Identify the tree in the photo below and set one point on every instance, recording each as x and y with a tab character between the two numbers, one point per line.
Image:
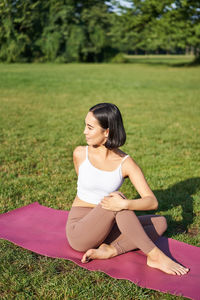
66	30
150	25
95	30
21	23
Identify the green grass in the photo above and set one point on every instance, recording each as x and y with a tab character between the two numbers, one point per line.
43	107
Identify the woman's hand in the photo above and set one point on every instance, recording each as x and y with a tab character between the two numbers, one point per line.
115	201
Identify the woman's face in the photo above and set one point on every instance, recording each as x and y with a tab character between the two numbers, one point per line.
95	135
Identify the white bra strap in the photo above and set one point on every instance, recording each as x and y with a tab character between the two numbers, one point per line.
124	158
87	152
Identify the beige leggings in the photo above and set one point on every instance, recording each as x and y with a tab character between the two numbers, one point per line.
89	227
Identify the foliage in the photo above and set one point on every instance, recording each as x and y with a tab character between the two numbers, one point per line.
154	25
95	31
119	58
45	30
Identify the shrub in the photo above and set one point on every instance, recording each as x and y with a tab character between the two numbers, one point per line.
119	58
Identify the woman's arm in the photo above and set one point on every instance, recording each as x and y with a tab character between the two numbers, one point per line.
78	157
148	200
147	203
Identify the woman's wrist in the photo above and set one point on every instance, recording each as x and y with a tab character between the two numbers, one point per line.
145	203
128	204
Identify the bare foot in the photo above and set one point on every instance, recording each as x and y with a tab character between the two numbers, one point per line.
104	251
157	259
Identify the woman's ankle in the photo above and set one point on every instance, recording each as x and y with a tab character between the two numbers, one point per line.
154	253
114	250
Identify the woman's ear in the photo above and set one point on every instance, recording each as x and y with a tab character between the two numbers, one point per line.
107	132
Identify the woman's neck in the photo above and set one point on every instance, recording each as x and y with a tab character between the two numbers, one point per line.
102	151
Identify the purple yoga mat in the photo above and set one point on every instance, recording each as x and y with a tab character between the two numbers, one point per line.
42	230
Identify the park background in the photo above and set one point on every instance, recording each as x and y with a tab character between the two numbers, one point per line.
58	58
96	30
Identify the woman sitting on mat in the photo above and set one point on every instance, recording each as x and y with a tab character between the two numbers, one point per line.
102	222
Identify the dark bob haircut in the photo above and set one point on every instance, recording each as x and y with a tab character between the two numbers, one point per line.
109	116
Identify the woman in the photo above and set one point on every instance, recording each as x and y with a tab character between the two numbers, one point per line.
102	222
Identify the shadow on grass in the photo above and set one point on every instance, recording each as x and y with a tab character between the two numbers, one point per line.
179	196
165	62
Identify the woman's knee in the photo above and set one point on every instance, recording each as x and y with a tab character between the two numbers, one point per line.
81	242
125	212
79	248
76	244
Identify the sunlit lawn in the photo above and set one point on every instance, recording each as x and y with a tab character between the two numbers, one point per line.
42	111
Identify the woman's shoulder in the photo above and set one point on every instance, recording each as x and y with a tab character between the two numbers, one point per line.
128	164
121	153
129	158
79	151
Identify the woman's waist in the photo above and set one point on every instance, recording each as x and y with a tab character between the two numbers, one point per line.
80	202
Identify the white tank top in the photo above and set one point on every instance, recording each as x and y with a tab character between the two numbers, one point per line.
94	184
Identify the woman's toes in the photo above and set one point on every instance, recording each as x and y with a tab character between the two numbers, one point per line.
86	257
184	271
180	270
83	260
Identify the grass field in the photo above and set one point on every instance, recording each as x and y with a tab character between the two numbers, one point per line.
42	111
